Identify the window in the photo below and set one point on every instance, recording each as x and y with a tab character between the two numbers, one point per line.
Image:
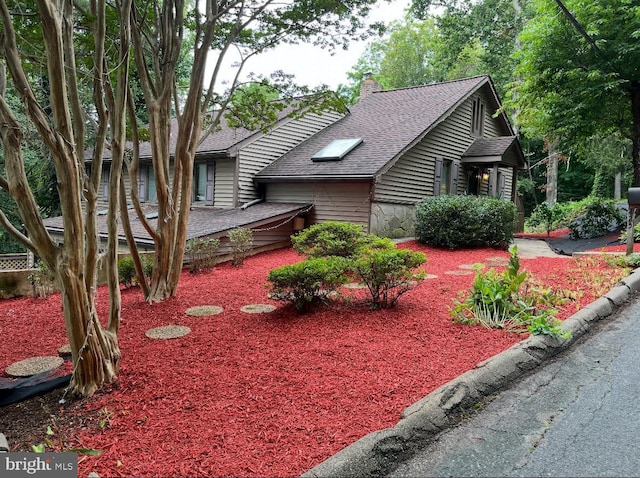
446	177
336	150
477	117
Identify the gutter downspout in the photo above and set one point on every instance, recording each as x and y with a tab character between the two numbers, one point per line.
251	203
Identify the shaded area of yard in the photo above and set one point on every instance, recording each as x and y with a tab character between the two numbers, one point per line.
264	394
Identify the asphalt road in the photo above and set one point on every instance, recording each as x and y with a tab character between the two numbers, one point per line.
576	416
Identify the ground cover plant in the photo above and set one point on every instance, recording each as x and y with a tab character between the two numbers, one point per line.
263	394
510	300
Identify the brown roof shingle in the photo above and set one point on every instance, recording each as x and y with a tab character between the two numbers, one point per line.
203	221
389	122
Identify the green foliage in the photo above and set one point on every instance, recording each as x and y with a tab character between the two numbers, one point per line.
241	242
127	270
590	217
594	217
506	301
42	280
477	37
388	274
631	260
309	282
333	238
564	77
456	221
548	217
202	252
636	234
544	325
339	251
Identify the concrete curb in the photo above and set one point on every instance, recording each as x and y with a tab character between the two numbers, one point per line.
379	452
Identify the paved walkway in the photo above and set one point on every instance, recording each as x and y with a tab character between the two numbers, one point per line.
530	248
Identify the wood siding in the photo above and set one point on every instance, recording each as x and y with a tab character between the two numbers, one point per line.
274	144
413	176
332	201
224	180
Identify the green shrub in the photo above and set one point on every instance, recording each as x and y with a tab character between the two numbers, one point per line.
388	274
333	238
147	265
241	242
126	271
506	301
594	217
202	252
455	221
547	217
308	282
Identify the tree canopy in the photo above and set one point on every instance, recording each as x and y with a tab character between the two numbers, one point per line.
578	72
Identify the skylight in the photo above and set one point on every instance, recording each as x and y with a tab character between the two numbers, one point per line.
336	150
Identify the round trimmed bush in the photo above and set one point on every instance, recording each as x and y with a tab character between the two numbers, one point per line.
455	222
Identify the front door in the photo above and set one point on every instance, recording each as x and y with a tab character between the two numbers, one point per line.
473	181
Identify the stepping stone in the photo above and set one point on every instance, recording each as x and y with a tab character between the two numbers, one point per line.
258	308
167	332
497	261
459	273
204	310
471	267
355	285
65	351
33	365
430	276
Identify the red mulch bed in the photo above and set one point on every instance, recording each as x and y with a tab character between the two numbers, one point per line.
269	394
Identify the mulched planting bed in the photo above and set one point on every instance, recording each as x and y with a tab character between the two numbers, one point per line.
267	394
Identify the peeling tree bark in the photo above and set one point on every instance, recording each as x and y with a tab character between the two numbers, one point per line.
94	350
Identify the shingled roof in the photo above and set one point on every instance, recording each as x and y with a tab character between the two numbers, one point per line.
203	221
223	142
505	149
389	123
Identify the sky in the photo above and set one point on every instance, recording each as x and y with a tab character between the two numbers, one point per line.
313	66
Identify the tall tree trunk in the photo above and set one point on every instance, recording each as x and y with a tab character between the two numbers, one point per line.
552	179
95	351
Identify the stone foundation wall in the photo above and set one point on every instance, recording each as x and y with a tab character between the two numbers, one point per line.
392	220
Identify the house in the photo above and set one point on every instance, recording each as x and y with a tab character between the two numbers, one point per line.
223	186
370	165
396	147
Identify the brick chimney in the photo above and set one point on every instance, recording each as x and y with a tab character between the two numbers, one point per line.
368	85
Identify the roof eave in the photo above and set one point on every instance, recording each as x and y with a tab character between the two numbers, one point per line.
315	178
